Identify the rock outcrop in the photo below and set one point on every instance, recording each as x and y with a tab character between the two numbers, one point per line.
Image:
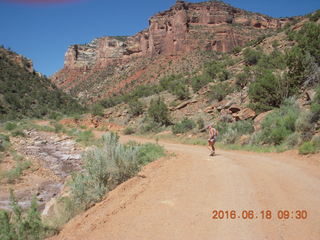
186	27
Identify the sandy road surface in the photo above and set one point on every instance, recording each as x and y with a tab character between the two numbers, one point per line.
174	199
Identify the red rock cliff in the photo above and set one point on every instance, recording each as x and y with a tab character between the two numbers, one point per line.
184	28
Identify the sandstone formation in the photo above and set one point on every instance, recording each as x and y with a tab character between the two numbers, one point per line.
184	28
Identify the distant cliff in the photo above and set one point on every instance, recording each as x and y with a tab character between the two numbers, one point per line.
184	28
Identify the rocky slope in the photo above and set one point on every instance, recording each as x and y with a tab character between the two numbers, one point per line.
108	65
18	59
52	159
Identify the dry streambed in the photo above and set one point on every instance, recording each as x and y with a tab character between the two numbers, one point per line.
53	159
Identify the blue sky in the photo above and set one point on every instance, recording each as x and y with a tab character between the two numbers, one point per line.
43	32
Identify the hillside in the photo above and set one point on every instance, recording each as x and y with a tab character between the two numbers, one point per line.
275	74
178	40
25	93
245	93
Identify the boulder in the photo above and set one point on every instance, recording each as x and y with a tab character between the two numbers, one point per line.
258	120
225	112
209	109
183	105
235	108
244	114
224	104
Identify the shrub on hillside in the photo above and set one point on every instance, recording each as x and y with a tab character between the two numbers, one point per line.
97	110
15	173
18	133
108	166
136	93
176	85
200	123
102	170
167	82
293	140
275	60
58	127
19	225
315	16
85	137
150	127
308	40
243	78
229	133
237	49
9	126
219	91
266	92
316	141
55	115
251	57
303	59
307	148
298	63
181	91
307	122
279	124
184	126
213	69
159	112
304	126
223	75
136	107
111	101
199	82
315	107
128	131
142	91
4	142
149	152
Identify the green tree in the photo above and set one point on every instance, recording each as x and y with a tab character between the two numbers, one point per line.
159	112
219	91
176	85
303	60
181	91
198	82
267	92
251	57
308	40
243	78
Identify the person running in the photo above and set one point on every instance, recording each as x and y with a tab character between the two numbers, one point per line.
213	133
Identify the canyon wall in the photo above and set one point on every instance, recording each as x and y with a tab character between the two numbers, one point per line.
185	27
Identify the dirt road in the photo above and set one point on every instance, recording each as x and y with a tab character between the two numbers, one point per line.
174	198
